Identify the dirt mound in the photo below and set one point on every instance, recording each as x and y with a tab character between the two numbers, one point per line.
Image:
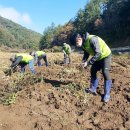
54	99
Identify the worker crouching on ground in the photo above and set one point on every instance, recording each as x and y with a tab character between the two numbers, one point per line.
38	56
101	60
22	60
67	52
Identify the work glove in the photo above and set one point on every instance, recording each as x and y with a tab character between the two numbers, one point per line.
85	64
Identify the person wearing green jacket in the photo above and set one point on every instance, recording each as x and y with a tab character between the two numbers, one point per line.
101	60
22	60
38	56
67	52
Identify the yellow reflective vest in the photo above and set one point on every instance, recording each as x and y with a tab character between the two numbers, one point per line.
67	49
40	53
26	57
105	50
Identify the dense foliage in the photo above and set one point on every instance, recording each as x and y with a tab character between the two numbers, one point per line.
14	35
56	35
109	19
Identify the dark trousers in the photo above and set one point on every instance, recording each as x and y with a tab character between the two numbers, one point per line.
104	65
44	57
65	58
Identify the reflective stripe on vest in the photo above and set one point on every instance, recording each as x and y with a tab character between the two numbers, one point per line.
105	50
26	57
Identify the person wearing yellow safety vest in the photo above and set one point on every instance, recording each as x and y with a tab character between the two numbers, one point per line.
67	52
101	60
22	60
38	55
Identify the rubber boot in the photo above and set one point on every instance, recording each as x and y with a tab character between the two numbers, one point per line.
107	88
93	86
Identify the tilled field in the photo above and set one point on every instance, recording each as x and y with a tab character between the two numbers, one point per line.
54	98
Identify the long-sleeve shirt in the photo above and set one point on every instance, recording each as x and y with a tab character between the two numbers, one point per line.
67	49
94	43
17	61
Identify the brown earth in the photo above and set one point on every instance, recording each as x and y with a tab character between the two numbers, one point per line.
54	98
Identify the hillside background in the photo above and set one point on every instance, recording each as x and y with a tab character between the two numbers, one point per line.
106	18
14	35
109	19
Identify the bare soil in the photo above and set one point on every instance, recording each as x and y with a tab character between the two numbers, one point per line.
55	99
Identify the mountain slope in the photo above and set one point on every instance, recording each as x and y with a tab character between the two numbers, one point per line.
14	35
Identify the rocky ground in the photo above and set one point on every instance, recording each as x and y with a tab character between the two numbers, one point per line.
54	98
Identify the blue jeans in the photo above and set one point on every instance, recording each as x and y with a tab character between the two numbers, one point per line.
31	66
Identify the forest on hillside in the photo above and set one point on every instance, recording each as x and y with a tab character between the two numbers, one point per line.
14	35
109	19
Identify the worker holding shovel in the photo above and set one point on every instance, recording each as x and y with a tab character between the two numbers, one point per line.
101	60
67	52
